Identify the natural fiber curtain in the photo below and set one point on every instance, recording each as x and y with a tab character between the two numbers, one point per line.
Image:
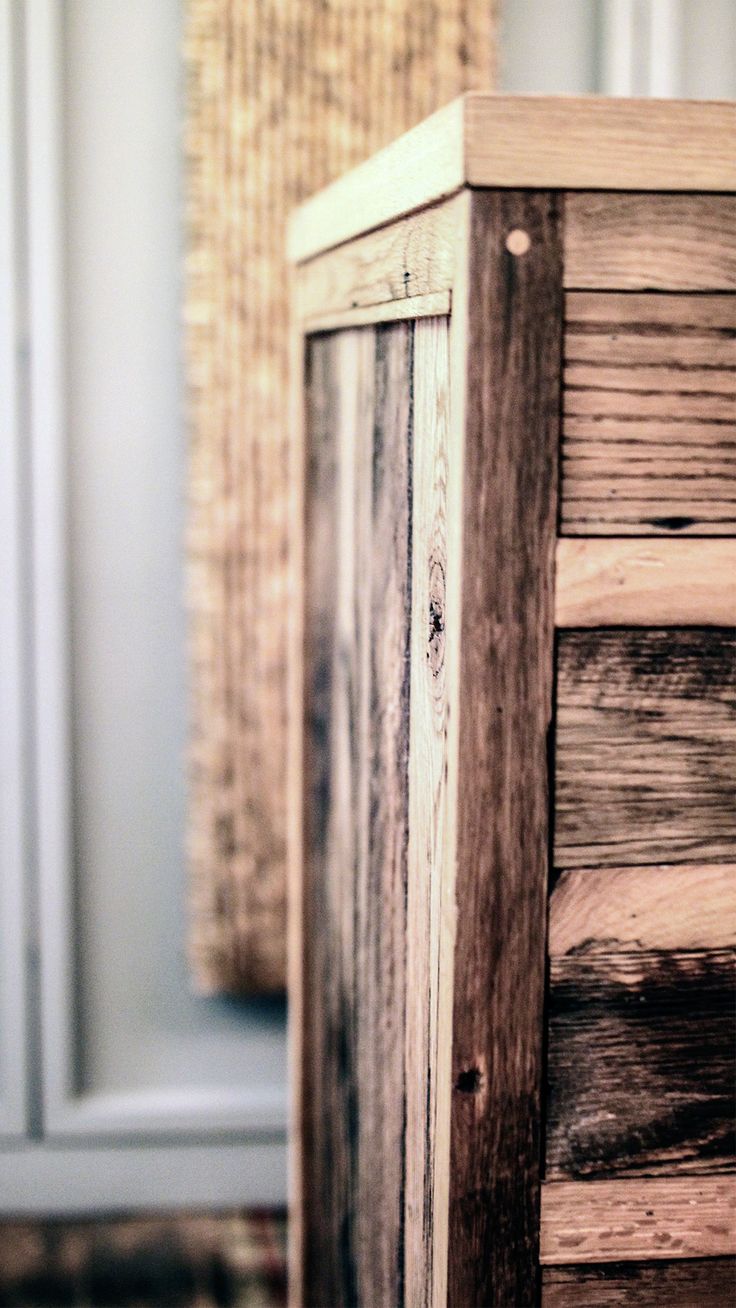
283	95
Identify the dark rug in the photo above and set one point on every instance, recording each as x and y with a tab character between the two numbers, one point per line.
233	1260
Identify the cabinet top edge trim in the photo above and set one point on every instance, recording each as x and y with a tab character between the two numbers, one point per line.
544	142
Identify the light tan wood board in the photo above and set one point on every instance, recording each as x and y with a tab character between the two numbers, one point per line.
410	258
663	242
644	908
638	582
623	1221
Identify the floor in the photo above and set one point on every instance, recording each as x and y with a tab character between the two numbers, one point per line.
233	1260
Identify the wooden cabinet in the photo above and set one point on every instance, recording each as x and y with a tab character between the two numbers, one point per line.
514	713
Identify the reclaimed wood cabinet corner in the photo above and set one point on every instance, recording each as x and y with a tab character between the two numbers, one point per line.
513	816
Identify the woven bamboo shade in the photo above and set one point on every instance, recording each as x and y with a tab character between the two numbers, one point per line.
283	95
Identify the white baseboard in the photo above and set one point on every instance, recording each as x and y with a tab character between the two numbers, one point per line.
43	1179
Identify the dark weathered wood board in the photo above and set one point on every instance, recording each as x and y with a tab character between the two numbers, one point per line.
327	1109
637	241
649	415
688	1283
641	1071
645	747
355	812
642	1062
509	512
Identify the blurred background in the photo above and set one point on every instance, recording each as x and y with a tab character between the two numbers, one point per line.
121	1090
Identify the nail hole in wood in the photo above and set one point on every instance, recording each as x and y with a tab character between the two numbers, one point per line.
468	1082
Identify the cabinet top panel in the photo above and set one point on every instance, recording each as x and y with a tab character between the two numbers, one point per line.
571	143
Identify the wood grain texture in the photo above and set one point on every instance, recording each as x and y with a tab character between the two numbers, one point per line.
616	144
335	668
642	582
638	1221
374	805
650	242
641	1063
688	907
641	1010
282	97
406	310
645	747
685	1283
381	892
649	415
509	510
412	257
425	1060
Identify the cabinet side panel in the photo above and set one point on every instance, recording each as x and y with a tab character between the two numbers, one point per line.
506	659
359	423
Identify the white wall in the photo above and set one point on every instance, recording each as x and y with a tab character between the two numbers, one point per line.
127	443
118	1054
619	47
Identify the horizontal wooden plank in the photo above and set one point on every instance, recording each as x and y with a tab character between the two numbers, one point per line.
649	414
633	242
630	908
645	768
419	306
525	141
588	141
412	257
630	581
642	1021
641	1062
638	1220
682	1283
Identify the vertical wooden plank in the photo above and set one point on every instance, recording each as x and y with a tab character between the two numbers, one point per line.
339	423
427	796
509	516
381	893
319	998
358	571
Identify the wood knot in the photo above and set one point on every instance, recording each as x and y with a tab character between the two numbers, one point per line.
436	638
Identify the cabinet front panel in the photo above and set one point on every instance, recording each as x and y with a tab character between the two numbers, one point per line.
641	998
